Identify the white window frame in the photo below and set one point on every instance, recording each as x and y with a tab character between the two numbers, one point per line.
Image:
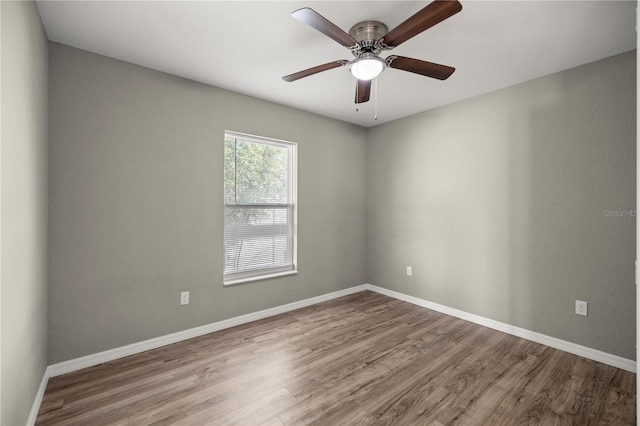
264	273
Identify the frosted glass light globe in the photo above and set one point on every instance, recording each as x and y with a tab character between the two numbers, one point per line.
367	67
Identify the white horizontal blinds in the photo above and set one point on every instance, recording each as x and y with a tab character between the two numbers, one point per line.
258	227
257	238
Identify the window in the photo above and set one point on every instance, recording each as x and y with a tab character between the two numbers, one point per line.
259	208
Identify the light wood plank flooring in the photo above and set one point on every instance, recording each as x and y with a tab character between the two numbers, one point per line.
364	359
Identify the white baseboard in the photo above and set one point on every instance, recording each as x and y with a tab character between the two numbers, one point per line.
134	348
563	345
113	354
35	407
123	351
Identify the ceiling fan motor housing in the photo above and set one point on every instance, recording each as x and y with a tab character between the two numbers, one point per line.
367	33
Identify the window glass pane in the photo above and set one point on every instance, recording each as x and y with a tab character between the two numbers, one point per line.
257	173
257	238
229	170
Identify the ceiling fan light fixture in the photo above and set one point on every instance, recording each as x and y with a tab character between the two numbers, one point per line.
367	67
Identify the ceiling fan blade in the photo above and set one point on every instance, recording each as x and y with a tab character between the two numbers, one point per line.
319	68
425	18
326	27
363	91
429	69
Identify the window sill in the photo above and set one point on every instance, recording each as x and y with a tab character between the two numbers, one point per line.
259	278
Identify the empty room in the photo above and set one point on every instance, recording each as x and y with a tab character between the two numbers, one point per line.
323	212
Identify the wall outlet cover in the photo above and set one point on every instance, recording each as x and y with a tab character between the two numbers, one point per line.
581	308
184	298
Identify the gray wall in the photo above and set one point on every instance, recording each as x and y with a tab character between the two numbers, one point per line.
500	205
24	208
136	203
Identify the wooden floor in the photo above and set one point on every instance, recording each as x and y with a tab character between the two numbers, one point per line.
362	359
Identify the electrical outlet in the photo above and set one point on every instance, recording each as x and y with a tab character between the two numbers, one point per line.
581	308
409	271
184	298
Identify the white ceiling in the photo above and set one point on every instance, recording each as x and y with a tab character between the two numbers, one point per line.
248	46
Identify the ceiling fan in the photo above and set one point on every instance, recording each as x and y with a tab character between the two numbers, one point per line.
368	39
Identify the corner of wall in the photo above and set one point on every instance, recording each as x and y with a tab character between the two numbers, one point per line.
23	209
